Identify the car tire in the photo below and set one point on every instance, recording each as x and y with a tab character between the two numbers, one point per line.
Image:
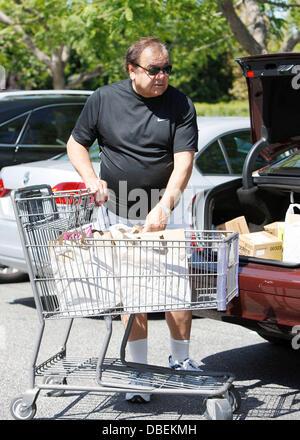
11	275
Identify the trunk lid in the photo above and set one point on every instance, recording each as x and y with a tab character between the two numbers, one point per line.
273	82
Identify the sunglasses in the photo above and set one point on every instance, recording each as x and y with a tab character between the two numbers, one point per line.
154	70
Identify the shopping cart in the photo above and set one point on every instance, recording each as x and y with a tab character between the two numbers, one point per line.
76	275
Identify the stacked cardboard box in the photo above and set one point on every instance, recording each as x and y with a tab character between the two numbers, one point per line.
237	224
275	228
262	244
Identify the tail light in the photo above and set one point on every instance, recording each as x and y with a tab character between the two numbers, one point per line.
71	188
3	191
68	186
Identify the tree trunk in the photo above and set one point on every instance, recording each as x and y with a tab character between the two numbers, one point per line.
58	76
256	23
289	45
238	28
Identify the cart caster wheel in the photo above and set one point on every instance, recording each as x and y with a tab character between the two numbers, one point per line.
234	398
57	380
20	411
218	409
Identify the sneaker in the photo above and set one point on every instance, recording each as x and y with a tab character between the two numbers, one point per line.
186	364
137	397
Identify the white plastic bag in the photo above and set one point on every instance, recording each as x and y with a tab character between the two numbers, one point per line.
153	269
291	238
84	275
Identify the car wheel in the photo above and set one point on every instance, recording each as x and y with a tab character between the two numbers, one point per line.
11	274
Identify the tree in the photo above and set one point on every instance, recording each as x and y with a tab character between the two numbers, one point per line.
81	42
254	22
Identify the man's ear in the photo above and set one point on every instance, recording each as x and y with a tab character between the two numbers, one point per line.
131	70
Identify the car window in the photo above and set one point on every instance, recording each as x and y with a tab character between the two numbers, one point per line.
211	160
94	154
10	131
237	146
51	125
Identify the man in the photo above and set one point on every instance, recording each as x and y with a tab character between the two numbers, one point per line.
148	136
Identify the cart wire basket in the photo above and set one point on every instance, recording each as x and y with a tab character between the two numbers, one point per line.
76	272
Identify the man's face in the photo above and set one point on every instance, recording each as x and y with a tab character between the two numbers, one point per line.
145	84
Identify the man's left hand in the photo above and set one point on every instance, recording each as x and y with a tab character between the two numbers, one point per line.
156	220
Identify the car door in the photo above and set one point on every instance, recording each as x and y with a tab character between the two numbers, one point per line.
235	147
10	133
47	132
223	158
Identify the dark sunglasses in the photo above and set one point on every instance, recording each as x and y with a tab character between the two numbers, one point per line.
154	70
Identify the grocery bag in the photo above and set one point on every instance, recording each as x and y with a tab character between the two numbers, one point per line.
84	273
153	269
291	237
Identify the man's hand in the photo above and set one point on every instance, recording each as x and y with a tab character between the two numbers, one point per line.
156	220
99	188
80	159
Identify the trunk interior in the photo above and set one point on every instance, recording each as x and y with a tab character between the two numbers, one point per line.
260	206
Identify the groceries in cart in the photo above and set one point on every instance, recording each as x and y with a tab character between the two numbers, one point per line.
120	268
76	272
130	271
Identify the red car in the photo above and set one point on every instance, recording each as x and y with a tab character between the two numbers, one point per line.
269	290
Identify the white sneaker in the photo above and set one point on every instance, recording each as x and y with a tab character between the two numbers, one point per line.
186	364
137	397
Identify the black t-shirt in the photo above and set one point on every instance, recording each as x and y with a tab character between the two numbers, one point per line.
138	137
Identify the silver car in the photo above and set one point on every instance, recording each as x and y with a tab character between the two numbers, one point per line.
223	145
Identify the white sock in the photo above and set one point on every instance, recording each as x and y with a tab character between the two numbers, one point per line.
138	350
180	349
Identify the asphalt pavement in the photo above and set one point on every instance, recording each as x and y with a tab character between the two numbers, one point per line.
267	376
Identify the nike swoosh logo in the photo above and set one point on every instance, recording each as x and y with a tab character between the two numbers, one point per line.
161	120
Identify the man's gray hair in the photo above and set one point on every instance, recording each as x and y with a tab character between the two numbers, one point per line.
134	52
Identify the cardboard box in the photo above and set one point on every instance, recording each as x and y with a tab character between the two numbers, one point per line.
261	245
275	228
237	224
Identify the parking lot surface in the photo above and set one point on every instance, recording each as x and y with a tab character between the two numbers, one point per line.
267	376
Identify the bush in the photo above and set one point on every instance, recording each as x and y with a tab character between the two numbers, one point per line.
233	108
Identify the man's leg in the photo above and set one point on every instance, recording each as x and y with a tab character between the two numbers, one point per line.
180	330
139	329
137	344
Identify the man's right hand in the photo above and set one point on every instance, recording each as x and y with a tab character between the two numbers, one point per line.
80	159
99	188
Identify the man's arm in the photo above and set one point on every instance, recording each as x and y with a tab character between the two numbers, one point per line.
157	218
80	159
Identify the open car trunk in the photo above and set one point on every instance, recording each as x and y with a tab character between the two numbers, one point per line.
260	207
269	293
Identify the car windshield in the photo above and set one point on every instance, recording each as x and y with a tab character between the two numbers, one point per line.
93	152
289	166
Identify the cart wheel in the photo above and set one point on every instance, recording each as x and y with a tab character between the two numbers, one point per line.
58	380
218	409
20	411
234	398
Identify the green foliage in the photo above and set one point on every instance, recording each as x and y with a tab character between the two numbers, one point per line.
98	32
